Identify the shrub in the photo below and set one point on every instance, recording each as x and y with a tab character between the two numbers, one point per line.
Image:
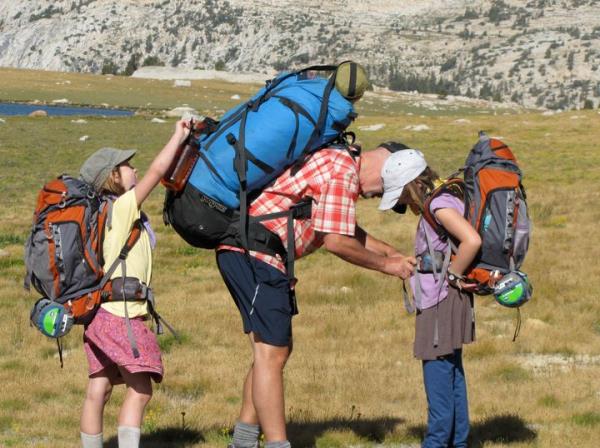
220	65
109	68
448	65
152	60
132	64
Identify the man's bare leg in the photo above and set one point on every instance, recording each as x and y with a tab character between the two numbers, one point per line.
266	386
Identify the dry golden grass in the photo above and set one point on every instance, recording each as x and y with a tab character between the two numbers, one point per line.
352	379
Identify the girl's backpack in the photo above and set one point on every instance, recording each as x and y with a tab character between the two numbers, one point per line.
63	254
63	258
496	206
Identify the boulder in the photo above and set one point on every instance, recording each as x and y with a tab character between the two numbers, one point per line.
38	113
181	111
182	83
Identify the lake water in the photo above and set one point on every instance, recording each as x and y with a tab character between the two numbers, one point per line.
26	109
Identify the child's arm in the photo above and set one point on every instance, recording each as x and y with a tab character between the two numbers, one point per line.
469	240
161	162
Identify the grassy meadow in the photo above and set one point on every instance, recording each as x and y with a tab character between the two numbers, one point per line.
352	380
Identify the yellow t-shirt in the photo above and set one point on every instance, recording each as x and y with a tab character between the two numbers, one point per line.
139	261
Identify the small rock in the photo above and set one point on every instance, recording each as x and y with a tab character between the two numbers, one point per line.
157	120
84	138
38	113
235	97
462	120
345	290
79	121
373	127
4	253
60	101
182	83
535	323
417	127
2	120
180	111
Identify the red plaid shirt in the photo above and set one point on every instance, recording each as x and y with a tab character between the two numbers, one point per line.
330	178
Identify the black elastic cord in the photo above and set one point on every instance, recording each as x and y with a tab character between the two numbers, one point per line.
518	326
60	356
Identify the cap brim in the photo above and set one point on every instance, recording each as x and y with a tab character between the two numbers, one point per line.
389	198
124	156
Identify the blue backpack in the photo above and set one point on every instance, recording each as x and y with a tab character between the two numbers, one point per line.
293	116
256	141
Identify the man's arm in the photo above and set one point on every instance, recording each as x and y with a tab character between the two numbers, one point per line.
355	251
375	245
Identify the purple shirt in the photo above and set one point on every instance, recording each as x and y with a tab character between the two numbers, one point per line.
429	287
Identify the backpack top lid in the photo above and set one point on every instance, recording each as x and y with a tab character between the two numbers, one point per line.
490	150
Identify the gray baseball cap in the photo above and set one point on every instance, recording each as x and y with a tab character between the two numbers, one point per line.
96	169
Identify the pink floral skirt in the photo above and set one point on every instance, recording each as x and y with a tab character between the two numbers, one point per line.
106	344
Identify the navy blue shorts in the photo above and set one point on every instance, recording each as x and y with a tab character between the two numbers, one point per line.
263	296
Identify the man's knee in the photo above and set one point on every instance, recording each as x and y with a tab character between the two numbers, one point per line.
270	355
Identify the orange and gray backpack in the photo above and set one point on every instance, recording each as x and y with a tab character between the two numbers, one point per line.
63	258
495	205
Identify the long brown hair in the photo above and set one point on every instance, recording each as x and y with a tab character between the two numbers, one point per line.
422	186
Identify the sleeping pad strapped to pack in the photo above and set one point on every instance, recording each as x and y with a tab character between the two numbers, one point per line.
294	115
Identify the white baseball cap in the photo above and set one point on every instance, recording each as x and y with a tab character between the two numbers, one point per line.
399	169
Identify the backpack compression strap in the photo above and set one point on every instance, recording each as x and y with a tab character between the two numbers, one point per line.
243	154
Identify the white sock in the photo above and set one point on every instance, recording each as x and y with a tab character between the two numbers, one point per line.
91	440
129	437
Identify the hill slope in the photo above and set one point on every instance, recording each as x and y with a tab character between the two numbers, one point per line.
538	53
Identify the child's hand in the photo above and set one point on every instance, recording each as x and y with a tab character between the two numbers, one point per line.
467	287
182	129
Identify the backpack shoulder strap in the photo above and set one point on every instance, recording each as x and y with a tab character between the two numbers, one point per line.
453	186
104	220
133	238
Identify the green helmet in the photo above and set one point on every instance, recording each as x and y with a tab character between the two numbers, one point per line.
351	80
513	290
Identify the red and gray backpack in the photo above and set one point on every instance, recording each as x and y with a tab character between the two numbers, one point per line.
495	205
63	258
63	254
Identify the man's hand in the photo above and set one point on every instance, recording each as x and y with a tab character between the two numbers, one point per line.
400	266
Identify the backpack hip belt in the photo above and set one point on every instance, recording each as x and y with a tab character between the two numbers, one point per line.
130	289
